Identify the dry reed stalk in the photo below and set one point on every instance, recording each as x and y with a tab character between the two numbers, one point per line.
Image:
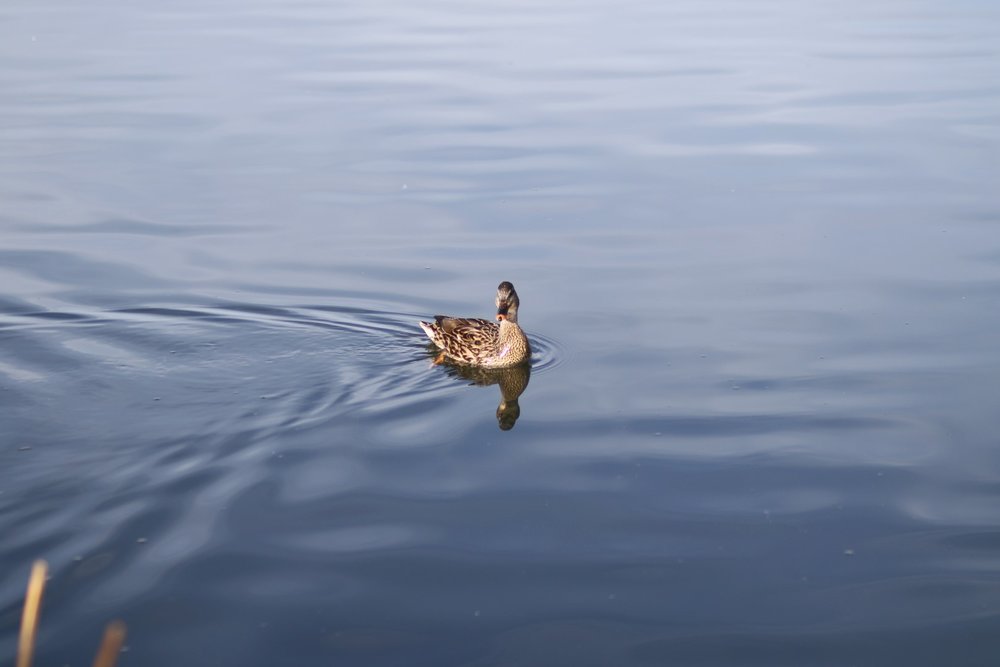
29	618
111	645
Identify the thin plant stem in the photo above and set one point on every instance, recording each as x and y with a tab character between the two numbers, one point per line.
29	618
111	645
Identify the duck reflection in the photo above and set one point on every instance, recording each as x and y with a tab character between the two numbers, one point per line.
512	381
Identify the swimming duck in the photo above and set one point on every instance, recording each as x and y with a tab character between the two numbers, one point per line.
481	342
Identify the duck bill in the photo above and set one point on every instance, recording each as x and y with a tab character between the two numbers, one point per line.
502	312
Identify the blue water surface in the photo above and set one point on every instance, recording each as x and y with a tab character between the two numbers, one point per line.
757	246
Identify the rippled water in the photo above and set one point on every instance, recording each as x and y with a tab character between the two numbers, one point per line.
758	255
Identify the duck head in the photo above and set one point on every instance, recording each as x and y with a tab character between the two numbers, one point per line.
507	302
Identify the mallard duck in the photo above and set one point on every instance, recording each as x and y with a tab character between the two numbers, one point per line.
481	342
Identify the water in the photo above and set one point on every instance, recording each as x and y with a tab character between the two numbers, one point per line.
757	251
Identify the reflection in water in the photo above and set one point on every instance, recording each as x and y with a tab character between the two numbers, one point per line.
513	381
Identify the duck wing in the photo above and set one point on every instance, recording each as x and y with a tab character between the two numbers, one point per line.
465	339
467	326
468	331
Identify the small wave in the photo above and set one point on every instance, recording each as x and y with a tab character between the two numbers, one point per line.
246	366
546	353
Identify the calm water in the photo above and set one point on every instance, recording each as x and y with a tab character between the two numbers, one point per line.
758	251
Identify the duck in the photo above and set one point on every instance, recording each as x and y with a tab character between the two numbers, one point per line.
482	343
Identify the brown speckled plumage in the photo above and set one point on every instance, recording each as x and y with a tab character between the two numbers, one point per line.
481	342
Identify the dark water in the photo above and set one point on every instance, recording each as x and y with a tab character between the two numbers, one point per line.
758	251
